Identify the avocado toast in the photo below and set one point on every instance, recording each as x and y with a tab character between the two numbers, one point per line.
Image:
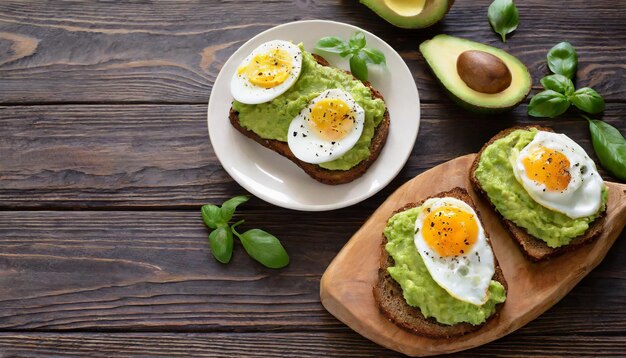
534	248
335	172
392	302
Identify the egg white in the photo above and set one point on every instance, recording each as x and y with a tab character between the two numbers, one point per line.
246	92
308	146
465	277
582	197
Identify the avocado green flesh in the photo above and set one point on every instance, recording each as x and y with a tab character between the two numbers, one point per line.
410	14
418	287
271	120
495	175
441	54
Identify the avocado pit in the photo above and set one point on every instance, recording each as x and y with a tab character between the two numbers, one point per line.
483	72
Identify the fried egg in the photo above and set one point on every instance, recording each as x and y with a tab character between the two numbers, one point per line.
557	173
269	71
327	128
453	245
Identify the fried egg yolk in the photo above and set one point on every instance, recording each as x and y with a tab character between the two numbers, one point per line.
548	167
331	118
268	69
450	231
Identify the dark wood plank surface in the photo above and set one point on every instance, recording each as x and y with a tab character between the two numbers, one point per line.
133	156
336	344
139	52
152	271
105	160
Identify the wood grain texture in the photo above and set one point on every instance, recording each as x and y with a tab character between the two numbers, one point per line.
139	52
153	271
147	156
346	286
337	344
103	109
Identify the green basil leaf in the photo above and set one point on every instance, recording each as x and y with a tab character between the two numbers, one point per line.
265	248
588	100
221	243
610	147
373	55
346	52
211	216
358	66
503	17
548	104
562	59
558	83
357	41
229	206
332	44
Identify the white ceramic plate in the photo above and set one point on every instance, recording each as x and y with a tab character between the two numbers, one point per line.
277	180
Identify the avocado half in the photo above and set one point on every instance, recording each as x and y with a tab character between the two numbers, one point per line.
441	54
410	14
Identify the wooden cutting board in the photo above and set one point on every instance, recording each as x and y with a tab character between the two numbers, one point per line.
346	287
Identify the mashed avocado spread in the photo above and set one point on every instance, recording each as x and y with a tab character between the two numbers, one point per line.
271	120
418	287
495	174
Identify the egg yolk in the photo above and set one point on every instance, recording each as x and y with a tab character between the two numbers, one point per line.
549	167
268	69
450	231
331	118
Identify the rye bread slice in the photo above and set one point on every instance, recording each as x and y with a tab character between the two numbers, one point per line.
332	177
534	248
388	293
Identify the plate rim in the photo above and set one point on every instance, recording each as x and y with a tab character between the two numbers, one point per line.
293	205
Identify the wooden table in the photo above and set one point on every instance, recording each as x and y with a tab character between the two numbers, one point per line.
105	162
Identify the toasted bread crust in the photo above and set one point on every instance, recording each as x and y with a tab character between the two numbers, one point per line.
326	176
534	248
388	293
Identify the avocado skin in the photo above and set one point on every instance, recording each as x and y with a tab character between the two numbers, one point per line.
396	19
478	109
472	107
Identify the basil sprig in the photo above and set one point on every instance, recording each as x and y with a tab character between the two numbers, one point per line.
503	17
560	92
260	245
610	147
359	55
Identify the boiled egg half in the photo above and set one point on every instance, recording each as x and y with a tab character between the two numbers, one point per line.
269	71
327	128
